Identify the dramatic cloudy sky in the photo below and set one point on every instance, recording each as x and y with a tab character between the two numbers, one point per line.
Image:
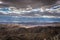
33	3
24	4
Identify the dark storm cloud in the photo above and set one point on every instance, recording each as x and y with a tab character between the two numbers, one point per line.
44	2
9	0
48	2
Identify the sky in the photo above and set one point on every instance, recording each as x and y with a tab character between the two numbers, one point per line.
40	11
33	3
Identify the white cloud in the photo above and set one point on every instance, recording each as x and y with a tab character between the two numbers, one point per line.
1	2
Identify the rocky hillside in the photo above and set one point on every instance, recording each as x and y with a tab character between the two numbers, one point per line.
10	32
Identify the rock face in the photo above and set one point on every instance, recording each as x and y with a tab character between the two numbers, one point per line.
34	33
